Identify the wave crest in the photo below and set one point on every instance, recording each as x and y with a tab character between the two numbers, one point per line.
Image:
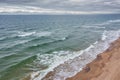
34	33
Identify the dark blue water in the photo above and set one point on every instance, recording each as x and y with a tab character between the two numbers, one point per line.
29	43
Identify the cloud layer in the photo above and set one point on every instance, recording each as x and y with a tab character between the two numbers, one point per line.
60	6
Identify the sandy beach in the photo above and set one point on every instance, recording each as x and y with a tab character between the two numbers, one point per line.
104	67
59	39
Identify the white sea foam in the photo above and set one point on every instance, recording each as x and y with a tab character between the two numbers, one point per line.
24	34
34	33
104	35
93	26
73	62
44	33
64	38
101	25
95	42
112	21
2	38
108	22
55	59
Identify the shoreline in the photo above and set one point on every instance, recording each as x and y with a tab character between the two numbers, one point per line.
104	67
89	71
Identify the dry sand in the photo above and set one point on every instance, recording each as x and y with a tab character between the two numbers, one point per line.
105	67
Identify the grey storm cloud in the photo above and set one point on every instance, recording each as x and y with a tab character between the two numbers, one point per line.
15	1
68	5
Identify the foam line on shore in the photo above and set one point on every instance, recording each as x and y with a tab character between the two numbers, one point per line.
70	66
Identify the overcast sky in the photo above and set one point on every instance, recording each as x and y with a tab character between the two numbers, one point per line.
59	6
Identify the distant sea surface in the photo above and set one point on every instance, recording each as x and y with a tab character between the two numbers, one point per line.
32	43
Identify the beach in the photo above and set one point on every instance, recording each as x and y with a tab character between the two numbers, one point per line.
104	67
92	64
51	47
59	39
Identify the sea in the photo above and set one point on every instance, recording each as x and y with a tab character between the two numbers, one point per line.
33	45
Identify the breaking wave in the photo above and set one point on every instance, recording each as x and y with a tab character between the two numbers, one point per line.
109	22
34	33
101	25
64	64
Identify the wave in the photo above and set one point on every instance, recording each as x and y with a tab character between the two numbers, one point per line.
108	22
16	63
46	43
6	38
24	34
64	64
2	38
93	26
34	33
29	47
101	25
103	35
17	34
19	44
16	44
114	21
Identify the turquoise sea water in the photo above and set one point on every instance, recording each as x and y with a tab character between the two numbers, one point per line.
30	43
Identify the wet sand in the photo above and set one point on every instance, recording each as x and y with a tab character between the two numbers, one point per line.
105	67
